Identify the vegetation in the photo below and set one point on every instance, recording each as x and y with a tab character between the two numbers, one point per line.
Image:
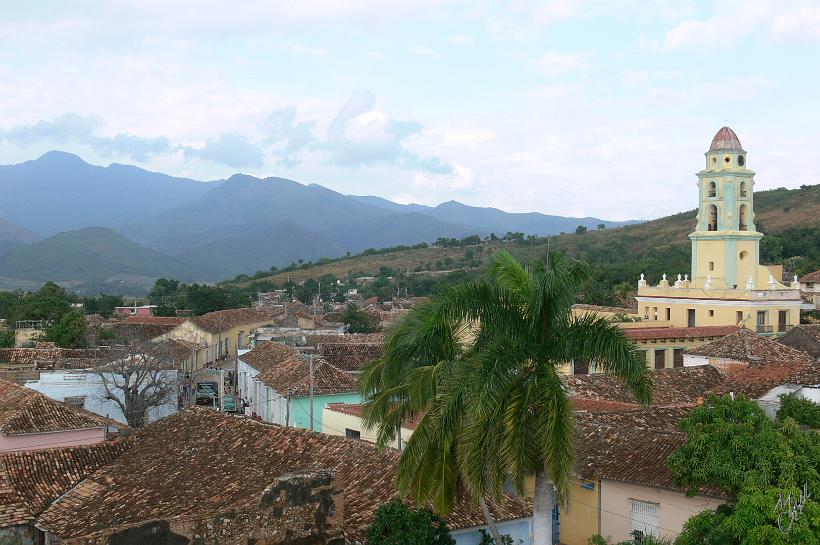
397	524
803	411
615	256
69	332
481	362
6	338
733	447
357	321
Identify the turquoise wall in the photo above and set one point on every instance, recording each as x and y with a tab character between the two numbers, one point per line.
300	409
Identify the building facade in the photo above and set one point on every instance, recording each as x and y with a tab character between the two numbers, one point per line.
728	286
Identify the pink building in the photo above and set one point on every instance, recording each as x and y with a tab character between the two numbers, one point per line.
30	421
144	310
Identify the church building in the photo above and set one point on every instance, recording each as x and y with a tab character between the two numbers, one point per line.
728	285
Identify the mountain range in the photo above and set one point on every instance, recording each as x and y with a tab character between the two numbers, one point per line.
119	227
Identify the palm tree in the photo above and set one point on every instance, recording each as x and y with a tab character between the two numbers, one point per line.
481	364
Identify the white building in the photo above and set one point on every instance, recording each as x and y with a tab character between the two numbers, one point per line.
83	388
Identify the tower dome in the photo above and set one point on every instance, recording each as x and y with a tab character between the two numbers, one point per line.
725	139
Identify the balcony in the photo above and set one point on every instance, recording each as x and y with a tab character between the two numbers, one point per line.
782	328
743	227
764	329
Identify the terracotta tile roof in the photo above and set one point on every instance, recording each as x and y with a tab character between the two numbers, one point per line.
614	310
746	346
351	356
222	320
648	333
293	376
198	462
154	320
24	411
813	276
352	338
30	481
680	385
53	358
600	405
631	445
725	138
266	355
94	319
811	330
755	381
356	409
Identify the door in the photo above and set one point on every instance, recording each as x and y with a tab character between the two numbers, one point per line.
782	320
677	359
690	317
580	367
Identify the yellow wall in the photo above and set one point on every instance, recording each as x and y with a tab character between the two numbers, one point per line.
188	331
580	520
335	423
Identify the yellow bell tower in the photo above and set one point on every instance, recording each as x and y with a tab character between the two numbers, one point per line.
725	244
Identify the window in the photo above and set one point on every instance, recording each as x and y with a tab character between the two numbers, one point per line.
660	358
643	517
741	218
677	358
738	317
75	401
713	218
741	161
711	313
711	266
668	314
742	188
712	189
353	434
743	255
654	313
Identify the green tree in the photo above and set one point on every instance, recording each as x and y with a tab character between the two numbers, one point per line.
6	339
804	411
70	332
397	524
357	321
734	447
481	362
580	230
601	226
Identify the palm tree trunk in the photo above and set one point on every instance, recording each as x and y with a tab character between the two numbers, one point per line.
489	520
542	505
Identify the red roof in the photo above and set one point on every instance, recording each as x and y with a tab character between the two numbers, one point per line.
811	277
725	139
154	320
356	409
646	333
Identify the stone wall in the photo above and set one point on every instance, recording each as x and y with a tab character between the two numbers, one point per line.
297	509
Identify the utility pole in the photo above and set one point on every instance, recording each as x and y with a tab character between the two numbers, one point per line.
310	363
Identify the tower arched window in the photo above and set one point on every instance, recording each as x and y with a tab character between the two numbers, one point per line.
742	189
712	189
742	219
713	217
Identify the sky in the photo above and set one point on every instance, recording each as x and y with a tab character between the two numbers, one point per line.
570	107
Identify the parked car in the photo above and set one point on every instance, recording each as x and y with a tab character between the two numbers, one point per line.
207	394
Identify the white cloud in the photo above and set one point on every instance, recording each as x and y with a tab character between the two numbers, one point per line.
458	39
424	51
554	63
315	52
803	22
460	179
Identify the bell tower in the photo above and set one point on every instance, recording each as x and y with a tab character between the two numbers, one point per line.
725	244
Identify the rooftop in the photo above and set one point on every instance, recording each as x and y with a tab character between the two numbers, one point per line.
351	356
725	139
292	377
647	333
266	355
747	346
356	409
31	480
811	277
677	386
222	320
160	476
154	320
24	411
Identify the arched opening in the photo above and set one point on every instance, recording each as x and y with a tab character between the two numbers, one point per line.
743	255
713	218
742	189
741	218
712	189
741	160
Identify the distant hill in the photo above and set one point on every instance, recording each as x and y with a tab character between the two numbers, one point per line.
487	220
94	256
618	255
12	236
239	225
59	191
